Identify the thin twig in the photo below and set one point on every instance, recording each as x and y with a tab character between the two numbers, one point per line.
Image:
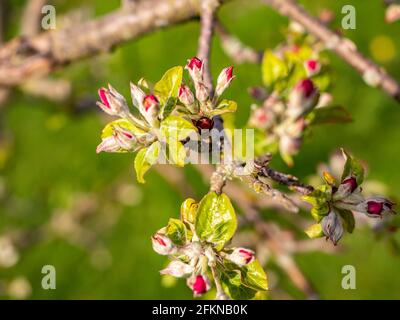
372	74
23	58
208	8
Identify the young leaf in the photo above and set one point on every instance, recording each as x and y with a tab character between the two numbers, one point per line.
145	158
314	231
319	200
329	114
273	68
216	220
176	153
352	167
254	277
224	106
231	282
167	89
348	219
176	231
175	128
125	124
188	210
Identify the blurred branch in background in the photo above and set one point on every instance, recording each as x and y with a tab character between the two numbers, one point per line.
23	58
372	74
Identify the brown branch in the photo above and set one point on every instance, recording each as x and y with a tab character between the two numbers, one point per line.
23	58
372	74
234	48
31	17
263	170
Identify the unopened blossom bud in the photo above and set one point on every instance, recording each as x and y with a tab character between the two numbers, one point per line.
112	102
202	93
376	207
241	256
224	80
262	118
162	244
125	138
302	99
332	227
347	186
151	108
195	68
137	96
312	67
185	95
289	145
109	144
199	284
258	93
177	269
392	13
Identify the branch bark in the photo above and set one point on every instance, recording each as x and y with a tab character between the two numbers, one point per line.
372	74
26	57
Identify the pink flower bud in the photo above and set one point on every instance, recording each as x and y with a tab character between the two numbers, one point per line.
125	138
195	68
177	269
302	99
346	188
289	145
201	92
112	102
224	80
312	67
162	244
194	64
262	118
185	95
351	183
258	93
109	144
241	256
121	140
375	207
150	102
199	284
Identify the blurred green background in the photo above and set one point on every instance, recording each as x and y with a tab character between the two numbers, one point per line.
85	213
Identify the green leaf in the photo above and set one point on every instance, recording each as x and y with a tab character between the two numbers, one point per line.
125	124
319	200
167	89
216	220
314	231
176	153
176	231
145	158
224	106
231	282
176	128
273	68
348	219
254	277
329	114
188	210
353	168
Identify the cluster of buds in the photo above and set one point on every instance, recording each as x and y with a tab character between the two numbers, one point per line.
345	198
202	105
192	260
285	120
192	257
130	133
